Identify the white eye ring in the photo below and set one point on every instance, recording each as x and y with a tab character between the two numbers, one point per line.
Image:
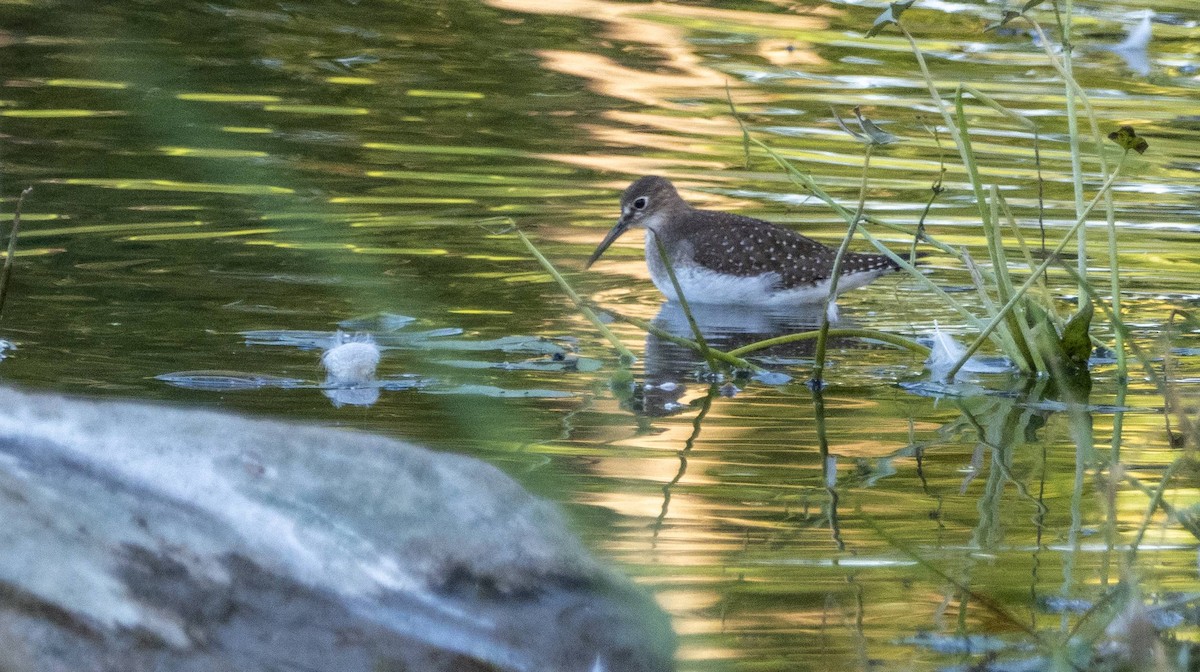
639	202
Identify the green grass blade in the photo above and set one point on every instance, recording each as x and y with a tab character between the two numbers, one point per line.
971	349
882	336
687	311
626	356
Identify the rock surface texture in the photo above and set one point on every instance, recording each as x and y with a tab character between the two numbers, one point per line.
142	537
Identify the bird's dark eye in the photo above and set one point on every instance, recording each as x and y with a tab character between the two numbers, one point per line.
639	202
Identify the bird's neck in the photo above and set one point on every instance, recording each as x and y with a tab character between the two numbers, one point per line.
670	220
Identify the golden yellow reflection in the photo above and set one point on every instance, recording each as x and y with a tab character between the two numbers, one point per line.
173	185
212	153
323	110
683	73
351	81
107	228
631	165
60	113
199	236
228	97
445	94
655	89
86	83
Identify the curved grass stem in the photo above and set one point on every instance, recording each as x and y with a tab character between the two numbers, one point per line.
882	336
718	355
625	354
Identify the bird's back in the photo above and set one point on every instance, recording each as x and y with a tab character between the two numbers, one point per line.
744	246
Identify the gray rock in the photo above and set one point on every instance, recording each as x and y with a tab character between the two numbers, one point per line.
142	537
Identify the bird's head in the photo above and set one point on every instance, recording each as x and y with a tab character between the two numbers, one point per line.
641	204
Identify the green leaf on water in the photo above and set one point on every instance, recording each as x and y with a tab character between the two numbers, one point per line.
1076	343
1128	139
1030	5
502	393
889	16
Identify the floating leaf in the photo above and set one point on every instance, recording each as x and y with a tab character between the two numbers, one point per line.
420	337
959	644
550	363
501	393
1076	343
1128	139
404	381
296	338
889	16
226	381
529	344
772	378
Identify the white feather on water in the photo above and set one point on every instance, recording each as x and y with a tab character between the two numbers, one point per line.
946	352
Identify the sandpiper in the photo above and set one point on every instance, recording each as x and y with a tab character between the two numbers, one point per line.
723	258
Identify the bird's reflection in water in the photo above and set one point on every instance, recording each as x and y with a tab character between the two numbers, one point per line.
670	367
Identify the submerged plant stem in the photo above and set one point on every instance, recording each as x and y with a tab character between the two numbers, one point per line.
12	247
989	604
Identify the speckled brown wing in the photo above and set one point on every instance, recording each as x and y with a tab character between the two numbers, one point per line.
744	246
857	262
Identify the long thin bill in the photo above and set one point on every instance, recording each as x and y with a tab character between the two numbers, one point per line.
613	234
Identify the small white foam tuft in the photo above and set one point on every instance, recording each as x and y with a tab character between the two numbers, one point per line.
351	362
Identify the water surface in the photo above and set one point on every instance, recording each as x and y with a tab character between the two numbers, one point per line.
218	189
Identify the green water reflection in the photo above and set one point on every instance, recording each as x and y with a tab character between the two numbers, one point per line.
204	170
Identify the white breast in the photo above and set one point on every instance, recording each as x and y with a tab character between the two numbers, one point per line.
701	285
